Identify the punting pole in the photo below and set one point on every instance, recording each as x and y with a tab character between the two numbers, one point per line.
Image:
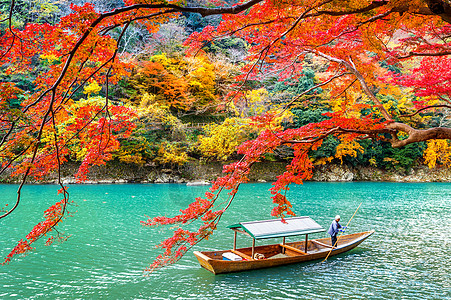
333	246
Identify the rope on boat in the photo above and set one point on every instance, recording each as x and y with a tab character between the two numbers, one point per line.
333	246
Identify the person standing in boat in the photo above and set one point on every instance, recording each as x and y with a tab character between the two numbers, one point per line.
333	230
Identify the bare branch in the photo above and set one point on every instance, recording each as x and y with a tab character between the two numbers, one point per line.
425	108
200	10
313	88
411	54
311	139
373	5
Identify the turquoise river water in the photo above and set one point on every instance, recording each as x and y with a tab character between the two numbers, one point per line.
407	258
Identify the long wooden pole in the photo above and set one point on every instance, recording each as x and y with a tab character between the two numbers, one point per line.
333	246
253	248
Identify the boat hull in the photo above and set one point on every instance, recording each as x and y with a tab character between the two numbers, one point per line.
278	255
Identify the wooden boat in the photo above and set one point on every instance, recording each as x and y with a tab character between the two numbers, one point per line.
257	257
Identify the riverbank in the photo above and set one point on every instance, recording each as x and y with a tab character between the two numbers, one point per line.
197	172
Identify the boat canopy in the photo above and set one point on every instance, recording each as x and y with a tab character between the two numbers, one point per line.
278	228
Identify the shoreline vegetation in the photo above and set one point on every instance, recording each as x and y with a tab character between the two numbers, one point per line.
202	173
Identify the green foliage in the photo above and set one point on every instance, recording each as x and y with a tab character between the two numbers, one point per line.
382	155
306	115
23	80
326	150
392	67
407	156
30	11
230	47
195	22
297	86
136	151
307	110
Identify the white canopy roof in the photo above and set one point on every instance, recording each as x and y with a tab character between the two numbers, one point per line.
277	228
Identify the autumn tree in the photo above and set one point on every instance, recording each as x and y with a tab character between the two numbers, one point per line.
180	83
355	41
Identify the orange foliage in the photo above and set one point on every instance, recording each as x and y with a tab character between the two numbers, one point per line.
169	90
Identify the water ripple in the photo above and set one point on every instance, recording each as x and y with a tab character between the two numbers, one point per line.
407	257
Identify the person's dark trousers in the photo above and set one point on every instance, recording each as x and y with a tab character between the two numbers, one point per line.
333	238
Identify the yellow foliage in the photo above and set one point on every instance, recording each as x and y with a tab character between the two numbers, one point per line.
147	101
281	115
391	160
71	116
182	83
201	79
90	101
323	160
256	100
132	159
349	103
257	103
373	162
221	140
148	107
92	88
389	105
171	153
404	103
49	57
348	147
437	151
80	153
394	91
47	137
162	59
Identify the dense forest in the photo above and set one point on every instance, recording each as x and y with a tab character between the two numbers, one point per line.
186	106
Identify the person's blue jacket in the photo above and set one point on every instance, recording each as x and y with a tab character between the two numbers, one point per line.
333	229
